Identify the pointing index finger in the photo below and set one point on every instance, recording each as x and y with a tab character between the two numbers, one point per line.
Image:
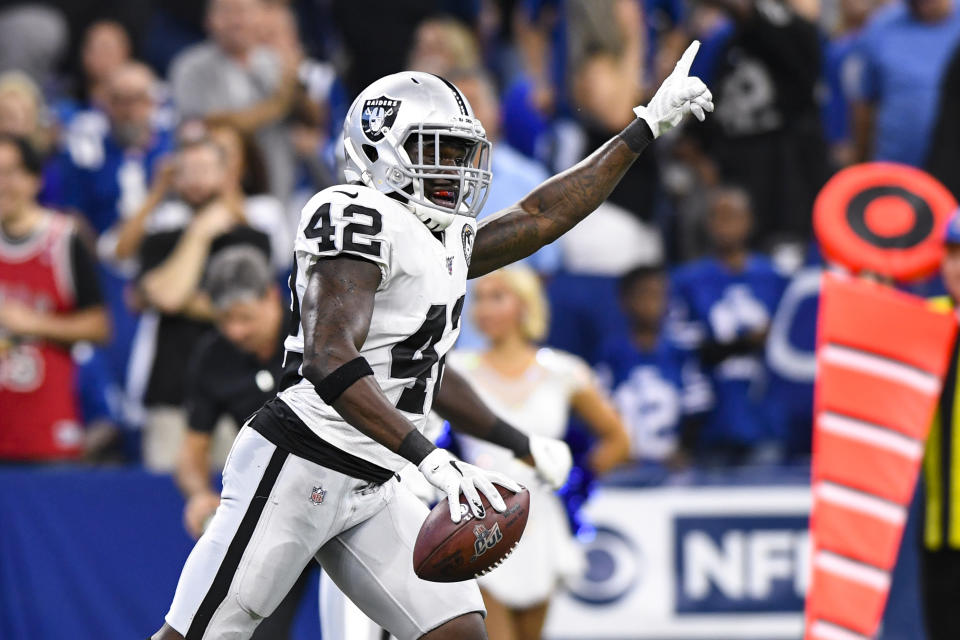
683	64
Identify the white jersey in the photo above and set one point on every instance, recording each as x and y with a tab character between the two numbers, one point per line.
416	311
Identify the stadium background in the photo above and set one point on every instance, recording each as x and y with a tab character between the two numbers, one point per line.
92	547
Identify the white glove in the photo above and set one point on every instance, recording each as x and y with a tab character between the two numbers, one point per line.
418	485
677	96
453	477
552	459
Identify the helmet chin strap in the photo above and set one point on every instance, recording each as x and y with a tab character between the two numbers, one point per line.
435	219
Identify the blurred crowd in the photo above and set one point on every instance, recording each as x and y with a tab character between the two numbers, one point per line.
142	141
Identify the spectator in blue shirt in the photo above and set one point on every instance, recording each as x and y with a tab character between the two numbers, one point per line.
657	389
903	53
536	90
721	309
840	70
106	174
106	47
105	177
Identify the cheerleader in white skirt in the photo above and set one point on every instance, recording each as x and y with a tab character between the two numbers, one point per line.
533	389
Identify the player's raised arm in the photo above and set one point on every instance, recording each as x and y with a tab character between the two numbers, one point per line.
561	202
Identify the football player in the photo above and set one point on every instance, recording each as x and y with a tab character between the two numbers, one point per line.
378	288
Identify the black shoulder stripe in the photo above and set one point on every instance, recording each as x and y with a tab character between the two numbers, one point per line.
456	94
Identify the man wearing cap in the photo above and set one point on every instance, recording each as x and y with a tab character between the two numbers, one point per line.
941	475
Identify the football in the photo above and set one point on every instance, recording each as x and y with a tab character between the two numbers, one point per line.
450	552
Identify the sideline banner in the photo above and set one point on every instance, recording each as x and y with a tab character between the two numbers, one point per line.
695	562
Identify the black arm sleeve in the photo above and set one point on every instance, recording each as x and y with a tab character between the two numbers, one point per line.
86	279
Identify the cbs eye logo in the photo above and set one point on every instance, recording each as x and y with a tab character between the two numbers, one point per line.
613	568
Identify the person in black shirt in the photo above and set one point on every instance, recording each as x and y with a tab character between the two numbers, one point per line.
234	370
172	265
767	136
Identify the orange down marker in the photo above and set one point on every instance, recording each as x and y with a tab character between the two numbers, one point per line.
881	359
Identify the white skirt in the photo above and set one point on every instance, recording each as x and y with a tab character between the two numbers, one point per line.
546	555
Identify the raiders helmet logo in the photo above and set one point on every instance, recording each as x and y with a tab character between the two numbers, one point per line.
378	116
466	236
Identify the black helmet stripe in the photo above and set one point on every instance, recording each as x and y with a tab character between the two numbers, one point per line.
461	102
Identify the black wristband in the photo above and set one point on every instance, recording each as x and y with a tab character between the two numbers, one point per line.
637	135
415	447
510	437
331	387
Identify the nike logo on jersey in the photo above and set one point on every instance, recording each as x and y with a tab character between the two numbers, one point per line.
349	195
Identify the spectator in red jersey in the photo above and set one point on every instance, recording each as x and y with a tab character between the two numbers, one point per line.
49	300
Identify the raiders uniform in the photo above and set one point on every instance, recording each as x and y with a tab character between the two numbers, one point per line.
416	312
300	482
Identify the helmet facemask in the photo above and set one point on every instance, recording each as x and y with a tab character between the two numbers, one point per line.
443	171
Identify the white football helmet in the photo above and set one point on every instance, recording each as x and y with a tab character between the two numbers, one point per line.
386	115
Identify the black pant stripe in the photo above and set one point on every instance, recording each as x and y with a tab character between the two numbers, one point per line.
221	583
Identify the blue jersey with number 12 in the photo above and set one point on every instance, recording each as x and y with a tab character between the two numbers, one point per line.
710	302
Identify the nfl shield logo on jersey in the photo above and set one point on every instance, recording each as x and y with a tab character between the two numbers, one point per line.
316	496
467	237
378	116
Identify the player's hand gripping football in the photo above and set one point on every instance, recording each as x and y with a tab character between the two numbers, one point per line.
679	95
552	460
453	477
